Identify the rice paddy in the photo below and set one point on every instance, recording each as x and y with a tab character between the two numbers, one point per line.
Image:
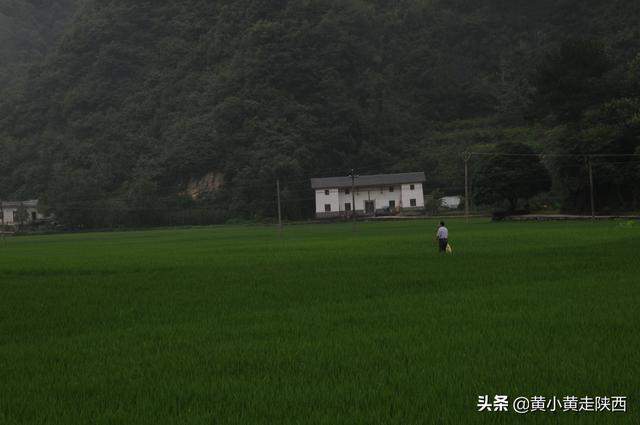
233	324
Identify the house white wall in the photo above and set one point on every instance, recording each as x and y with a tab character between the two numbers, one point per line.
381	195
322	199
8	214
415	193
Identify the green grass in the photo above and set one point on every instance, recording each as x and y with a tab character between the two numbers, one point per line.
232	325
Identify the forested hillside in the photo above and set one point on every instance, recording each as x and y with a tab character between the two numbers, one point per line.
28	29
140	105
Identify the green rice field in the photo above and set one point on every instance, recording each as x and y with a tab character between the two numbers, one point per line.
234	325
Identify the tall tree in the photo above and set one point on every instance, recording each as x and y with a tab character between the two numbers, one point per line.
513	174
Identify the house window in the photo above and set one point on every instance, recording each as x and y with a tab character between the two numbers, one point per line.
347	206
390	188
327	207
347	191
15	216
326	192
412	202
412	187
392	204
34	216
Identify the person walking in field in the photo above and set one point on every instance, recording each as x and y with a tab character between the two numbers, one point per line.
442	236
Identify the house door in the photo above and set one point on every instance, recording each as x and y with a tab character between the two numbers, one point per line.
369	207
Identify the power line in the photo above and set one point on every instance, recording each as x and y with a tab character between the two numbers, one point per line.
554	155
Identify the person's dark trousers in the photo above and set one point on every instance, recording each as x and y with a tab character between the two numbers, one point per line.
443	244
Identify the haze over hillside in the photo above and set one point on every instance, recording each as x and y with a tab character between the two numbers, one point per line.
28	29
114	104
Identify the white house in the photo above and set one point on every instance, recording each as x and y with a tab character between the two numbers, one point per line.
374	194
10	212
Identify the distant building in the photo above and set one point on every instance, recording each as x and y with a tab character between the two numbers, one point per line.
451	202
10	212
374	194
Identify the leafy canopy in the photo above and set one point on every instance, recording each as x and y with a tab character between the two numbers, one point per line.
513	174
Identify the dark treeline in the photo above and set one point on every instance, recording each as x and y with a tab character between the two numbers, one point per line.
144	112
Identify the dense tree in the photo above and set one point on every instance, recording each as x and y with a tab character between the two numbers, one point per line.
133	101
514	173
571	79
28	30
595	105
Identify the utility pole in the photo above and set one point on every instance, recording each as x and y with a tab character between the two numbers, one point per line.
353	198
466	157
593	207
279	209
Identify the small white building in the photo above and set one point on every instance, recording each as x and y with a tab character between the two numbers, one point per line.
10	212
374	194
451	202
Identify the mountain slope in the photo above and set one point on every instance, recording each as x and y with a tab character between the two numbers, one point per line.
28	30
140	98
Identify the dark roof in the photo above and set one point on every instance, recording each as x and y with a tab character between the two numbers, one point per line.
372	180
32	203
